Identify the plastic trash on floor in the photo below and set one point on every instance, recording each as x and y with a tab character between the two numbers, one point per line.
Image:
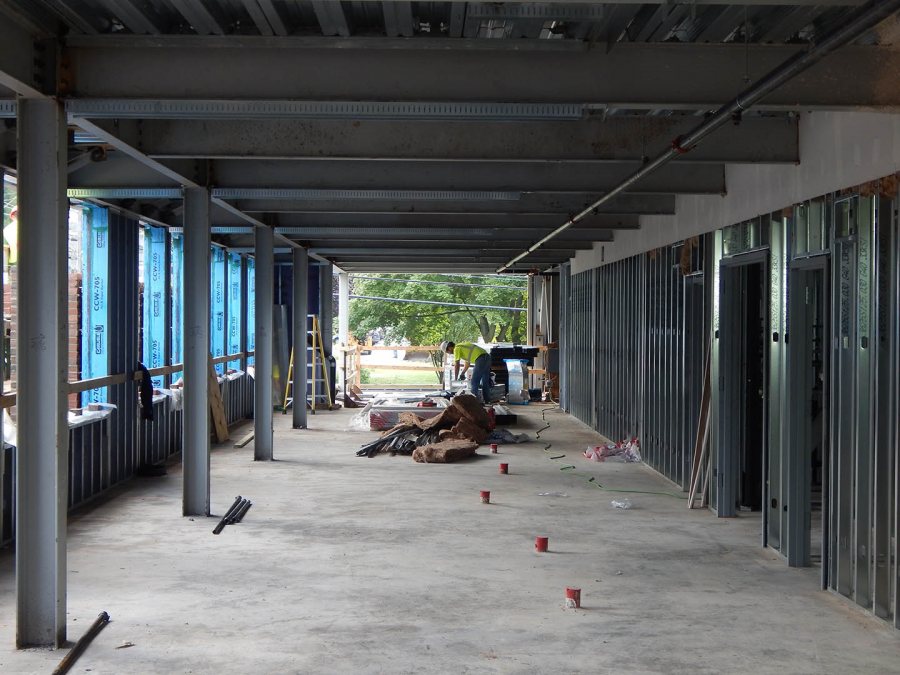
506	436
624	451
623	503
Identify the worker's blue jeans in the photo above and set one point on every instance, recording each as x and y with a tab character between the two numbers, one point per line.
481	376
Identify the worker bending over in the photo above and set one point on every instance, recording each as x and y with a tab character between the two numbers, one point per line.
470	354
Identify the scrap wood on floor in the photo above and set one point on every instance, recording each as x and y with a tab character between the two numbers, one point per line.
452	435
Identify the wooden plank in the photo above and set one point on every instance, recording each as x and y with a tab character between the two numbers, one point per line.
217	406
702	440
380	366
246	439
399	348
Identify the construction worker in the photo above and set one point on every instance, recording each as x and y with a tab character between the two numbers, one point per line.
470	354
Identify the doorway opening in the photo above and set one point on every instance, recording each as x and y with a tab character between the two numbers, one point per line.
808	387
743	462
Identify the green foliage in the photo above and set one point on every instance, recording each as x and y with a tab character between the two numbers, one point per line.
10	199
365	376
430	324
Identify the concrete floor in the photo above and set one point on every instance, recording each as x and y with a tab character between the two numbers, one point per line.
358	565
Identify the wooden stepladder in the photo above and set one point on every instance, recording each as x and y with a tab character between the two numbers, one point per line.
318	359
701	444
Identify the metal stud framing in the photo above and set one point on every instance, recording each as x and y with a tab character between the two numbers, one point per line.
639	328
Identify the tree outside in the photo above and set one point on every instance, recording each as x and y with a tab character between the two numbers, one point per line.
423	324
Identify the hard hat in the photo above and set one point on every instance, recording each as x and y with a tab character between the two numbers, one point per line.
444	345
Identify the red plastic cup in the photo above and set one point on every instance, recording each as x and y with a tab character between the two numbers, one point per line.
485	497
573	594
541	543
504	468
494	448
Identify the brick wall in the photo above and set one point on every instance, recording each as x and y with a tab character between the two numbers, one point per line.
73	311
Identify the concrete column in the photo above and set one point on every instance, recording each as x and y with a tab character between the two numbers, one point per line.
301	309
326	305
42	453
344	308
263	440
195	453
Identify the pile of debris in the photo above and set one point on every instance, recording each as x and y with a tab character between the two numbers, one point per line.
452	435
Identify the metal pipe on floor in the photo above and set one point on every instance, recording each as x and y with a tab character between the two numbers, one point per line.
242	511
69	660
867	17
234	508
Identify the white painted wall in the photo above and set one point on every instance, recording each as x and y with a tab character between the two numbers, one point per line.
837	150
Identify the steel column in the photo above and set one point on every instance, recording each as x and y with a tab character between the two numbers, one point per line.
344	308
195	451
42	457
565	340
265	289
300	310
326	305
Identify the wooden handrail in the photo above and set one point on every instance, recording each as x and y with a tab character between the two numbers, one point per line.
8	399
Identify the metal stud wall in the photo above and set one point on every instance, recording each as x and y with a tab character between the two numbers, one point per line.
106	450
618	350
635	335
580	358
639	325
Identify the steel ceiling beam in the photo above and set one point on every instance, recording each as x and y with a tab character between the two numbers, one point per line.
131	108
427	268
862	20
619	138
449	261
539	71
472	181
356	234
427	252
543	203
417	249
128	150
395	223
412	243
26	67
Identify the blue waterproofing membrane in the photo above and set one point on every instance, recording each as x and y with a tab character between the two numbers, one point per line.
177	276
234	307
155	300
251	309
217	305
94	300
